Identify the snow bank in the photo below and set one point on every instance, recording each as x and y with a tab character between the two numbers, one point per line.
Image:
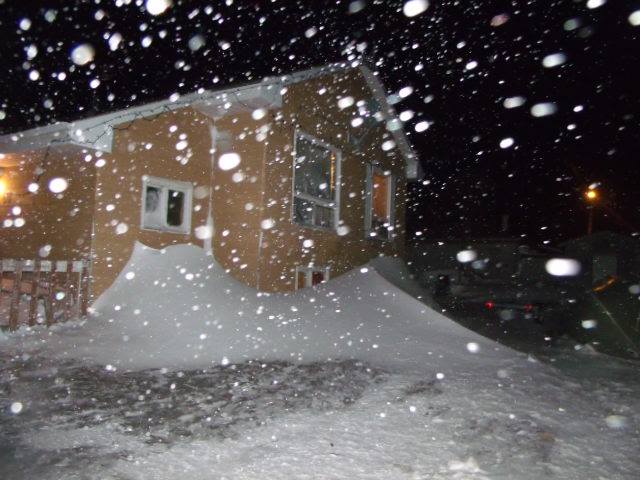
177	308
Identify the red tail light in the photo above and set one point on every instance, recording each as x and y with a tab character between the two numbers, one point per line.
489	304
528	307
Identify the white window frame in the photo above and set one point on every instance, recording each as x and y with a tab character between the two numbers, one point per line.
308	272
164	185
335	205
391	203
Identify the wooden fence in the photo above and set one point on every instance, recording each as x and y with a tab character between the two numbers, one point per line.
62	286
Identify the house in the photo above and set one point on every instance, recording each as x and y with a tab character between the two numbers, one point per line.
286	182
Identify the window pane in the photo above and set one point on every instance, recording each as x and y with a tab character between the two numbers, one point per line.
380	202
315	170
381	197
152	211
317	277
303	212
302	279
175	208
309	213
323	216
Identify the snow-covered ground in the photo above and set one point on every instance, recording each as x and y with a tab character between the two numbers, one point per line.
184	371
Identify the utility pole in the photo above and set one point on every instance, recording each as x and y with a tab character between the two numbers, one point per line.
592	196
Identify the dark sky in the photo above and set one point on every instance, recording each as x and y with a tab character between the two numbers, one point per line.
471	180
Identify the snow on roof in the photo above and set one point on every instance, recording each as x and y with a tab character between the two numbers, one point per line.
97	132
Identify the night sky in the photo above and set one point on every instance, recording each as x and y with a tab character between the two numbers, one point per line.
470	180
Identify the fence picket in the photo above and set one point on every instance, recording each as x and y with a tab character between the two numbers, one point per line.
35	291
42	280
14	309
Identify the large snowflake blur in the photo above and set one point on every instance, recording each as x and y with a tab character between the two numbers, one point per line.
512	106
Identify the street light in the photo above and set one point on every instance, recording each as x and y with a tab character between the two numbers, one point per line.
592	195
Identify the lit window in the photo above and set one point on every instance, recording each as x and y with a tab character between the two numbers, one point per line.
166	205
380	204
316	183
311	276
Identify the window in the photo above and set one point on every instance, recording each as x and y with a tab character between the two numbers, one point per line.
316	183
311	276
166	205
379	203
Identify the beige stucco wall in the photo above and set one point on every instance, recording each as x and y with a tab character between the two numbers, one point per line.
146	147
237	198
319	115
61	221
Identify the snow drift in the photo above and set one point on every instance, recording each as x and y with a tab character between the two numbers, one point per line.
178	308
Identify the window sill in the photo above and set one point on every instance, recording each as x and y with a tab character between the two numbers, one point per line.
165	230
314	227
378	238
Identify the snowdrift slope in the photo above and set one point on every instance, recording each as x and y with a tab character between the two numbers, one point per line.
177	308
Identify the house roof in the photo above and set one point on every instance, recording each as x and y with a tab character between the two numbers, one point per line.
97	132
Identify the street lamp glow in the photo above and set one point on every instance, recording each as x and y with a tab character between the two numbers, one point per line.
591	194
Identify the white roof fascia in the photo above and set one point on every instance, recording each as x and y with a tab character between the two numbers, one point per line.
34	139
413	168
262	95
97	132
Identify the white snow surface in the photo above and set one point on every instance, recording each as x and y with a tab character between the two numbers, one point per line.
439	411
182	310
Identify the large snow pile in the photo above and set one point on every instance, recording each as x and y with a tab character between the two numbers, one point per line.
445	403
177	308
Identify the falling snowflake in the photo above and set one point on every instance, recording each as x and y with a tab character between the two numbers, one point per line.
413	8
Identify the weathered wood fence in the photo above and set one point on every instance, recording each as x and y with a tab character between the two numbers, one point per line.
61	285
